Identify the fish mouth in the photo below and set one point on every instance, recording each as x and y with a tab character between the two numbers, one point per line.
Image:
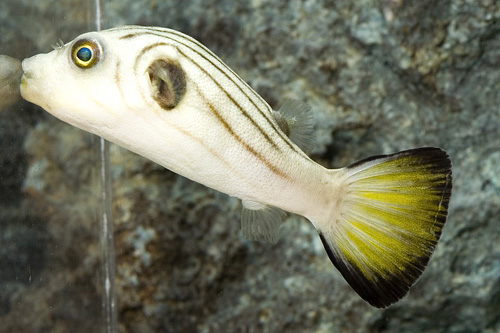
25	80
25	83
28	66
26	76
33	88
28	89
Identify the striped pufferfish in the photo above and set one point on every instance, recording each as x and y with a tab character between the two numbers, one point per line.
165	96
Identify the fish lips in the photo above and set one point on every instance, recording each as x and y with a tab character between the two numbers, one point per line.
32	88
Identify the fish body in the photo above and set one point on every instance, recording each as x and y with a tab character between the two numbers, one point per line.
222	134
165	96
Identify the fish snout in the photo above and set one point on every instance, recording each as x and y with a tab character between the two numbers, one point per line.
28	66
32	73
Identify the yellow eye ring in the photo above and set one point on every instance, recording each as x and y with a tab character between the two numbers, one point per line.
85	53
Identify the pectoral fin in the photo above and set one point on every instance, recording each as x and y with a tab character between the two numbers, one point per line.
295	120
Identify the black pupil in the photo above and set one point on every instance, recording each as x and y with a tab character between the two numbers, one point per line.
84	54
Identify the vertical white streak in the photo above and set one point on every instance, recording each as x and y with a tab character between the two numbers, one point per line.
98	16
107	238
107	235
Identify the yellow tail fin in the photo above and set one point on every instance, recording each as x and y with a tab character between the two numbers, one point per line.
389	222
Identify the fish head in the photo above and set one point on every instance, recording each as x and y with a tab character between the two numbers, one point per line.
101	81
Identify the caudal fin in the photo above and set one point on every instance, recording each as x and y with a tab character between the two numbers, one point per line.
389	222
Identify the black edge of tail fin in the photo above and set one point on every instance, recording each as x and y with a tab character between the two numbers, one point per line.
363	259
380	295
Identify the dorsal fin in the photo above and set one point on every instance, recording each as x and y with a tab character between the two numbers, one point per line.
260	222
294	117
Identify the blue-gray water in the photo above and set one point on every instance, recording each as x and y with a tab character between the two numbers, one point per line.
381	76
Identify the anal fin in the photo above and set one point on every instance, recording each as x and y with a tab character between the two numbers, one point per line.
260	222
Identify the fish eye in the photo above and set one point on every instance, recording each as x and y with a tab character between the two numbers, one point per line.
85	53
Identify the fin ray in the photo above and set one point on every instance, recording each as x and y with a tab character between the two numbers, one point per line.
389	222
261	222
294	117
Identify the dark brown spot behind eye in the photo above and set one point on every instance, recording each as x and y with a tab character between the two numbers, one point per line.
169	83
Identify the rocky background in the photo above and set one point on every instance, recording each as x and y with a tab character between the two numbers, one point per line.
381	76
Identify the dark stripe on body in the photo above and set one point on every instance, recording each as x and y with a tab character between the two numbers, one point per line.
228	95
261	158
118	80
226	125
266	116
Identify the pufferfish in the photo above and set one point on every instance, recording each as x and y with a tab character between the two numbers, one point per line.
165	96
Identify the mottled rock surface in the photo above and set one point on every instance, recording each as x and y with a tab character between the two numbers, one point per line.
381	76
